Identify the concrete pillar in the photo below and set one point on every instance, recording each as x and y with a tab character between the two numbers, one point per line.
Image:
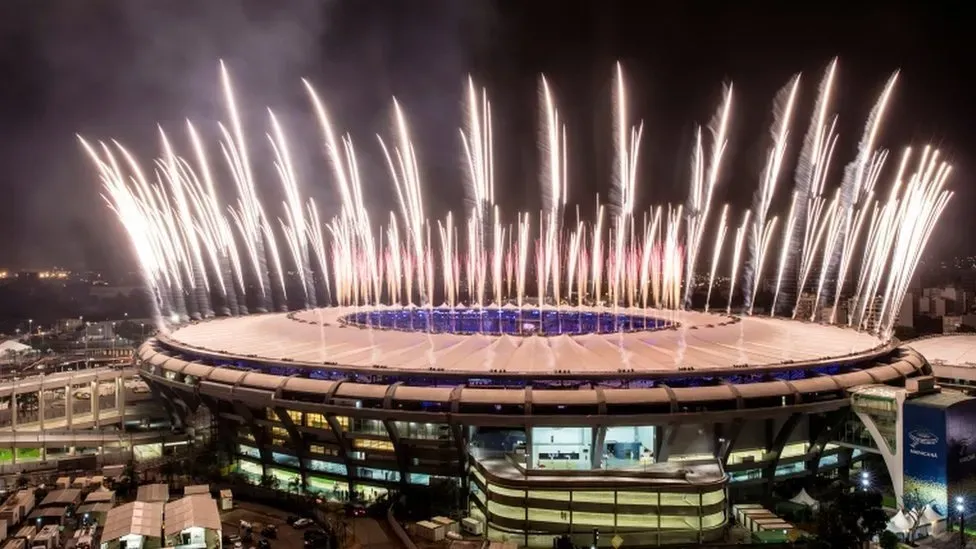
95	397
69	406
13	409
43	453
120	401
40	408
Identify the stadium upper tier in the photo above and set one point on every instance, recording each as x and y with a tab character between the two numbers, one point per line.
948	350
690	341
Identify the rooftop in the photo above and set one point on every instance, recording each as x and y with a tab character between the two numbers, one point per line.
153	493
62	497
950	350
139	517
701	341
197	510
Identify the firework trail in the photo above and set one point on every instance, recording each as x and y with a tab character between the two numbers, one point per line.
704	181
194	252
723	227
294	224
740	236
812	169
855	184
553	176
762	226
405	173
248	215
476	142
626	148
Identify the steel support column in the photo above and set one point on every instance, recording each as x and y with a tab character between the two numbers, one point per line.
782	436
392	431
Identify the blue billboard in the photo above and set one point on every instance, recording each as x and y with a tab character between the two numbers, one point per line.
961	448
925	451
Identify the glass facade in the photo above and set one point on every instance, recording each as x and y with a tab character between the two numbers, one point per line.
657	510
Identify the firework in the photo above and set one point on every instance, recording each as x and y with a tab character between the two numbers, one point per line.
201	255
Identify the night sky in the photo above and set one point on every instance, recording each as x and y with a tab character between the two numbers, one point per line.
115	69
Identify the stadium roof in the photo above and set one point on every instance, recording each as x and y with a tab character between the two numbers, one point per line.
701	342
950	350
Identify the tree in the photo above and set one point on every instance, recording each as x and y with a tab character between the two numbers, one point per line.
913	505
295	485
888	540
851	519
269	481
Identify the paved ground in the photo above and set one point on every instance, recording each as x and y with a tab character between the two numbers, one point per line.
363	532
370	533
288	537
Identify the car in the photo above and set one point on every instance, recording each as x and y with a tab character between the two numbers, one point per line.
290	520
270	531
302	523
317	539
263	543
355	510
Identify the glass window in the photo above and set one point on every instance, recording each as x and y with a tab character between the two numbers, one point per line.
316	421
327	467
285	459
367	444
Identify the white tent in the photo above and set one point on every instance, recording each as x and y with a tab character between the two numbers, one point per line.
14	346
900	524
932	522
805	499
930	515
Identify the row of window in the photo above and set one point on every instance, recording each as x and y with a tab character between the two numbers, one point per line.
405	429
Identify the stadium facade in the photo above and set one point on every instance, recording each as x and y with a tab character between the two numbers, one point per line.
551	426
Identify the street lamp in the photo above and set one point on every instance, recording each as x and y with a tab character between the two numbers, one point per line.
865	480
960	508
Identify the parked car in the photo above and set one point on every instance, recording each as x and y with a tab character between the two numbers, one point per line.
302	523
290	520
270	531
263	543
355	510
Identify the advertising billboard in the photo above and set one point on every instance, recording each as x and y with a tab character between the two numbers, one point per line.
925	451
961	448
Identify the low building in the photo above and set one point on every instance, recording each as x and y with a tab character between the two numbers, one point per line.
95	513
193	520
101	496
197	489
136	524
17	506
62	498
153	493
48	538
53	515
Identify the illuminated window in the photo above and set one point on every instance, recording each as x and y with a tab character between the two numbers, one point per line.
316	421
343	422
279	436
323	450
365	444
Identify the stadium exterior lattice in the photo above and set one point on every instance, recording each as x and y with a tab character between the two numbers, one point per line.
645	424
